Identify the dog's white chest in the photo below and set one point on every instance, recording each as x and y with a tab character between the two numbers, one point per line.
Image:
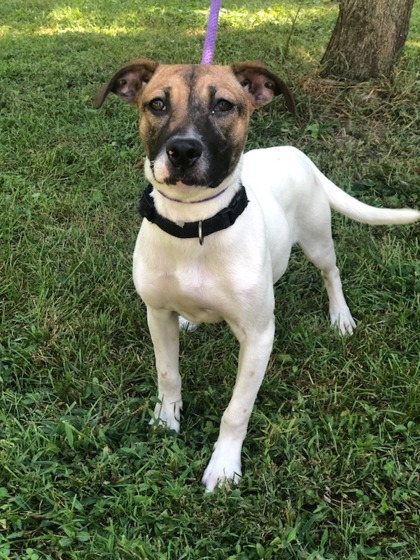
165	280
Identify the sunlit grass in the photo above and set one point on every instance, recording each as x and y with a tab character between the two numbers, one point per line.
78	17
277	25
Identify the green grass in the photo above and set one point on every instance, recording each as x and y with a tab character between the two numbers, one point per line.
331	458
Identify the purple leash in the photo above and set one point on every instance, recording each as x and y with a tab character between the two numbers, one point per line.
209	43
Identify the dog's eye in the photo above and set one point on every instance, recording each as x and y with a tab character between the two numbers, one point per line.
157	105
223	106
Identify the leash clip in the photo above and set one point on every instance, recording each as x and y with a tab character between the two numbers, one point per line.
200	232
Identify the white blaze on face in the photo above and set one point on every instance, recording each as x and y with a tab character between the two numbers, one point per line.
161	168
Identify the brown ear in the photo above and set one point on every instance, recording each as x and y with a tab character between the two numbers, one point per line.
128	81
262	84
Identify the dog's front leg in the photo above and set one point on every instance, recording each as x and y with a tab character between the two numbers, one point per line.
164	330
255	350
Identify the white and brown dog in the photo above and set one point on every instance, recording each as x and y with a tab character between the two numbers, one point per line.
219	225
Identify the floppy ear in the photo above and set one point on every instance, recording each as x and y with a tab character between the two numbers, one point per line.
128	81
262	84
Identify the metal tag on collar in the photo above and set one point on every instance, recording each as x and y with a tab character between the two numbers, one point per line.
200	232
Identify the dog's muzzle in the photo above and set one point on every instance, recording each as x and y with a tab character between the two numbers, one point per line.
183	159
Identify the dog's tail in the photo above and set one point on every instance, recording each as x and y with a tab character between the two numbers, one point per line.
352	208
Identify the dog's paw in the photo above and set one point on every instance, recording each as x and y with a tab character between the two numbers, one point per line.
167	415
223	470
343	321
185	325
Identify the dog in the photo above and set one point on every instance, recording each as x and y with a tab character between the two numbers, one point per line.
219	226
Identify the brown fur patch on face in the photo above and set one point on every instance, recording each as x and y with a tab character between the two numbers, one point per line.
204	102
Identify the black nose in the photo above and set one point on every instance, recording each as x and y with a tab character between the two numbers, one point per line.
183	152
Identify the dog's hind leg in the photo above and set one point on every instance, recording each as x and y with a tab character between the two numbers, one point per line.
315	239
164	329
339	311
185	325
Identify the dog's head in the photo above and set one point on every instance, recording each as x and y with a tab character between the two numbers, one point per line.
194	118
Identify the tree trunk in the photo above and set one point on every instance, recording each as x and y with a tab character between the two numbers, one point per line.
367	39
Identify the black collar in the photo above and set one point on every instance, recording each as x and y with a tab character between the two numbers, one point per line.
201	229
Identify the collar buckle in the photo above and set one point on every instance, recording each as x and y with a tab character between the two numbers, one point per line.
200	232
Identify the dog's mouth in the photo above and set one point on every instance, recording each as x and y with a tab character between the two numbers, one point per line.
165	174
188	162
187	180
